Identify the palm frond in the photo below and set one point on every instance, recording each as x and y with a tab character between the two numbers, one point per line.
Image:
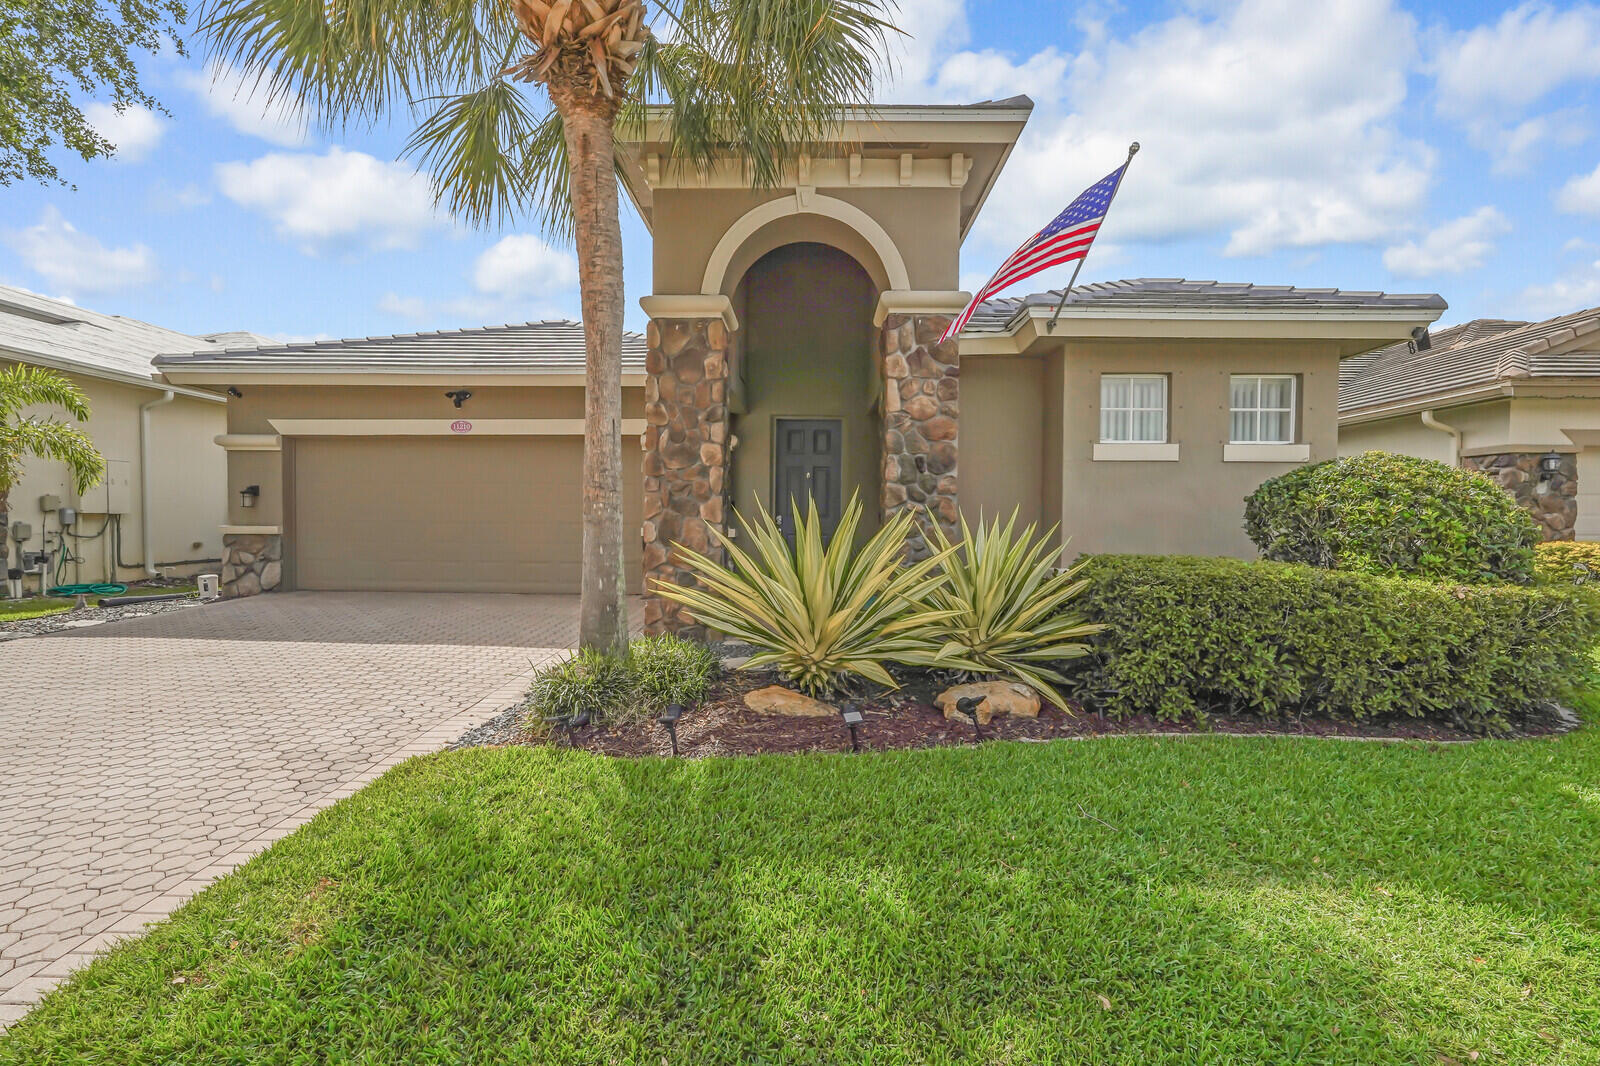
45	438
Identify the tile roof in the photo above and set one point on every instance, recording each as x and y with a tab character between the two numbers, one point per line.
37	329
1481	352
1143	295
530	347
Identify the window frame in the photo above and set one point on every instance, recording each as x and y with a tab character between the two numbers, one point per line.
1165	408
1258	409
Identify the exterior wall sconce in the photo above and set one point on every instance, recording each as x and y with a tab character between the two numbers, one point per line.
1550	462
669	722
248	496
851	713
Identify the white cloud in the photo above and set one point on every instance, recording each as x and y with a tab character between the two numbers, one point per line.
134	130
1451	248
1257	123
1572	292
522	265
1581	195
338	199
247	105
76	262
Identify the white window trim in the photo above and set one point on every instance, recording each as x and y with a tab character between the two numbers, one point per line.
1294	398
1266	453
1166	409
1117	452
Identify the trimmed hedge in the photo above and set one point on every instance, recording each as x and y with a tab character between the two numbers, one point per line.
1395	515
1186	635
1567	562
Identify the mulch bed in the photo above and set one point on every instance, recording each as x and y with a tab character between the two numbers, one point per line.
906	718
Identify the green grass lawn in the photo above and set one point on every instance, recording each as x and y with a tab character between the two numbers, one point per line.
32	607
1215	899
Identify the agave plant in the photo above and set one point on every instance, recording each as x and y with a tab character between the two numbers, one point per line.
1002	606
819	614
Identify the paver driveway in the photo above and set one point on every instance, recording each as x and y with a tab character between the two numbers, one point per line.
140	760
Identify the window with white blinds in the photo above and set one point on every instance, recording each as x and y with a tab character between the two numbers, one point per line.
1133	408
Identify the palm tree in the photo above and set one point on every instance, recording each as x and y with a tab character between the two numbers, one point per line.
758	80
23	435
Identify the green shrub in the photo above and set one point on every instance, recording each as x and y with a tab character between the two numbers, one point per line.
588	681
1394	515
1186	635
1567	562
1002	609
818	614
668	669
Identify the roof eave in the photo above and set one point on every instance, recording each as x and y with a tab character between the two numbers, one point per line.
91	370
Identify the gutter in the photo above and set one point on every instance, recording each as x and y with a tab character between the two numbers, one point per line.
68	366
144	480
1455	435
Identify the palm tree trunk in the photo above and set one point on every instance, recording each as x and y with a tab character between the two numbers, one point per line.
587	117
5	531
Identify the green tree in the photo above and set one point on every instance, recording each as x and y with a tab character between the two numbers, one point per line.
756	80
23	435
54	50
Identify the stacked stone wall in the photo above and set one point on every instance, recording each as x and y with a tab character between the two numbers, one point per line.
252	563
921	423
1552	499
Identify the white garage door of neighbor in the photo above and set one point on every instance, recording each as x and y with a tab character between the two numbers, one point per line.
447	514
1588	523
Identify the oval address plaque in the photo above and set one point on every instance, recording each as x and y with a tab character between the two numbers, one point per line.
461	425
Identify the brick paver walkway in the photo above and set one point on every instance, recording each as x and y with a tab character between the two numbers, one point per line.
141	760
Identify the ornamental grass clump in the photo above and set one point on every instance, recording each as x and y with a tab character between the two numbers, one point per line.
820	615
666	669
589	682
1006	607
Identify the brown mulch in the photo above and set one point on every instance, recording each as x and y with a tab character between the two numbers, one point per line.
906	718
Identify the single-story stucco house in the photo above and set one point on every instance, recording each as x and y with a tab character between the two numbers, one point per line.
1516	400
164	495
792	351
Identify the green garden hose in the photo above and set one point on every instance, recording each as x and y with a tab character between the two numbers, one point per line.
109	588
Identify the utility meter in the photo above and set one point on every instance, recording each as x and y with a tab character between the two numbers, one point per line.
68	516
21	531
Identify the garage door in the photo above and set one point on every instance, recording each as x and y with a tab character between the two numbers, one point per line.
447	514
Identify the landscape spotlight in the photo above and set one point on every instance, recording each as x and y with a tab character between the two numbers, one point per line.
669	722
968	705
851	713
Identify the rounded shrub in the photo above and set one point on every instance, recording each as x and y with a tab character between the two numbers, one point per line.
1567	562
1394	515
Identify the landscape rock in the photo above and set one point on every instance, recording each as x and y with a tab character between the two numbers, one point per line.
775	699
999	697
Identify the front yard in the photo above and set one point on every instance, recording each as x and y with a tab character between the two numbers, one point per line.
1211	899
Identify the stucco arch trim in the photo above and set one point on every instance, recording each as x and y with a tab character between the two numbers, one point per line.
827	206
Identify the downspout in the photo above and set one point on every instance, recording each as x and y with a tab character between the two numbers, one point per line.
144	480
1455	435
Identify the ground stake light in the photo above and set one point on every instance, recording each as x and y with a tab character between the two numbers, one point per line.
968	705
851	713
669	722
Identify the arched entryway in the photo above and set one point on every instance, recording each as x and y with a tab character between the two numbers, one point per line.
803	385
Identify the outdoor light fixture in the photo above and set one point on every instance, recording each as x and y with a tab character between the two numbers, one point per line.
233	390
459	396
851	713
669	722
248	496
1550	462
968	705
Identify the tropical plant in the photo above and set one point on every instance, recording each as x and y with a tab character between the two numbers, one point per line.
755	80
23	435
53	53
666	669
589	681
1395	515
1006	607
818	613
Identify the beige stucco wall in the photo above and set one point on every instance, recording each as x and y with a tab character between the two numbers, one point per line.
1003	439
923	223
1483	426
806	353
1195	505
252	413
187	475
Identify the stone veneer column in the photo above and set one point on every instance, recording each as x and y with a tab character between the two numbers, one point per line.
921	419
1555	508
252	563
685	447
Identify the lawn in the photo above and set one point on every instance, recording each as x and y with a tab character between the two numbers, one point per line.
32	607
1139	900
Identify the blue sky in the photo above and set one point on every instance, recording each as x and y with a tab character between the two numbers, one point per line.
1438	147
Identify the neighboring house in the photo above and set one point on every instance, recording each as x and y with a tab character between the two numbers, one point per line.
1517	400
161	502
792	352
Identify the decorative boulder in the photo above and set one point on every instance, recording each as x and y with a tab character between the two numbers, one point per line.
775	699
999	697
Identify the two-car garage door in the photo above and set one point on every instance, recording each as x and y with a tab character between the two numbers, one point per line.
447	514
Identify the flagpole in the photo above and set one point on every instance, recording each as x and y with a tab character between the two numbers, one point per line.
1133	150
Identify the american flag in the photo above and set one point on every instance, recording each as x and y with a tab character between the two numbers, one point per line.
1067	237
